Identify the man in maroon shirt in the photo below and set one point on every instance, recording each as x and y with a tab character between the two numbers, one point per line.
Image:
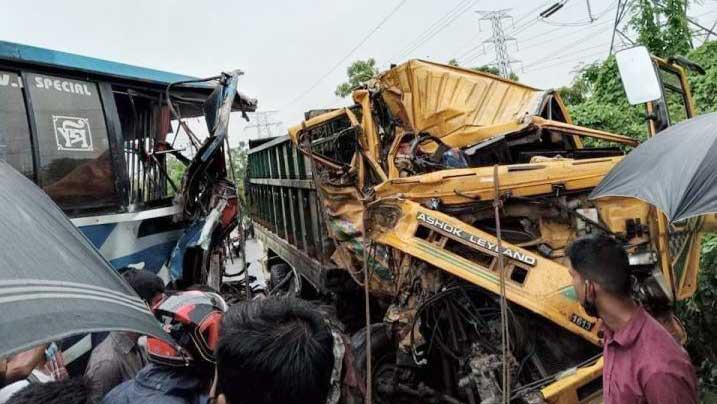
643	363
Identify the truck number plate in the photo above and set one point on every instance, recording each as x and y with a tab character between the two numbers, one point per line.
581	322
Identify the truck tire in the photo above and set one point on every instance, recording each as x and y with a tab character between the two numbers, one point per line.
383	351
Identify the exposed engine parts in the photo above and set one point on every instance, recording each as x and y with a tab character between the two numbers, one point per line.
409	181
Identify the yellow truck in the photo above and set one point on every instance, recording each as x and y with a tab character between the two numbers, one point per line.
401	189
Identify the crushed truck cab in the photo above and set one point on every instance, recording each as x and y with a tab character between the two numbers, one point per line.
402	184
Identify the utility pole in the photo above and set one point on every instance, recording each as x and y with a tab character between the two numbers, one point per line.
502	58
263	123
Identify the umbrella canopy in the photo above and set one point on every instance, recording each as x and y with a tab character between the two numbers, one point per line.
675	171
53	282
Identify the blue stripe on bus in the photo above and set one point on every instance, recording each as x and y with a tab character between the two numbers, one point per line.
98	233
153	257
68	61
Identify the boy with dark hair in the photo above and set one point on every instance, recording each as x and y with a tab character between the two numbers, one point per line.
277	350
146	284
70	391
643	362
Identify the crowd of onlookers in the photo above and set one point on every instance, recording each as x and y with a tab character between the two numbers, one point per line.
267	350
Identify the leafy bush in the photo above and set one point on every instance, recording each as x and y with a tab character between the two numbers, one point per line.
596	99
699	314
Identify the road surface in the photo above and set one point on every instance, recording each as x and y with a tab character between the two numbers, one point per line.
254	258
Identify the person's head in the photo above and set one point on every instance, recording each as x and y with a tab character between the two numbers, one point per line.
71	391
275	350
600	267
193	320
148	286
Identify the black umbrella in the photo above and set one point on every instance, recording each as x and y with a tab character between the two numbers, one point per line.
675	171
53	282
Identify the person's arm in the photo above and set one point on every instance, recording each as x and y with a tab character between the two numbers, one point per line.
3	370
668	388
104	375
20	365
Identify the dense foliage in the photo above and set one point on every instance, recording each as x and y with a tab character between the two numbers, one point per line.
699	314
596	99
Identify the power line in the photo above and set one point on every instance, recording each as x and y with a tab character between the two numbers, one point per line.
562	63
513	32
620	16
425	32
466	58
541	42
568	46
351	52
569	56
584	23
436	28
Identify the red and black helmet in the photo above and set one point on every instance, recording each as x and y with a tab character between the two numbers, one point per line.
192	319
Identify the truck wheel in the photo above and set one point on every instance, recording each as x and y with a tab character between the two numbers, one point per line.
385	372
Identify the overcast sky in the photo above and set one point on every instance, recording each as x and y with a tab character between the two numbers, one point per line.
285	47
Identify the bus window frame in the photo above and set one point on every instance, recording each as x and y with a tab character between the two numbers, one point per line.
28	116
114	135
116	141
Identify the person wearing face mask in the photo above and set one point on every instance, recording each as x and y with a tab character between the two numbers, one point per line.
642	362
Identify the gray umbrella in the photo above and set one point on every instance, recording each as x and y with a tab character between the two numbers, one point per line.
53	282
675	171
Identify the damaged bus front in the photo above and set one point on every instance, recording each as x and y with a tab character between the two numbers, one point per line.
100	138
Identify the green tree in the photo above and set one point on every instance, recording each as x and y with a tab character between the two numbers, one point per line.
704	87
359	72
644	21
676	33
175	171
662	27
596	99
699	314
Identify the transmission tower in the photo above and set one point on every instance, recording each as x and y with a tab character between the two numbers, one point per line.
502	58
620	12
264	123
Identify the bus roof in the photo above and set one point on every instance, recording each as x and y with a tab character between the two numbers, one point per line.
33	55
